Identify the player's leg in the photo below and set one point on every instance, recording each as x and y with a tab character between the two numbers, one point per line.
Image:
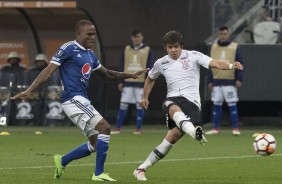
102	146
138	92
86	148
139	118
218	98
231	97
183	115
126	98
120	118
81	113
158	153
61	161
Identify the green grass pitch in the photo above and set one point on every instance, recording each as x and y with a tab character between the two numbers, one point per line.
27	158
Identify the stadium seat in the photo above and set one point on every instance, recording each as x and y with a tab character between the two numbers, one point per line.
266	33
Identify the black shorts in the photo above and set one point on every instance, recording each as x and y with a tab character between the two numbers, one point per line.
190	109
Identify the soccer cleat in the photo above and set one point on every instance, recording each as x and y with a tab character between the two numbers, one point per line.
139	174
137	132
198	135
58	164
117	131
102	177
236	132
213	131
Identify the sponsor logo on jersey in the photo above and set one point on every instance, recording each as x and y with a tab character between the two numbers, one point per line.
86	70
59	53
165	62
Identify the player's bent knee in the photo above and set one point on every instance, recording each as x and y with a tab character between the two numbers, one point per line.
92	132
103	127
173	109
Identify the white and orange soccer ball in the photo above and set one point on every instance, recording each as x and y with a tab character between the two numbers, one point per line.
264	144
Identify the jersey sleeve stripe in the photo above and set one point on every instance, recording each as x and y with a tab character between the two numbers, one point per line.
66	45
99	66
56	63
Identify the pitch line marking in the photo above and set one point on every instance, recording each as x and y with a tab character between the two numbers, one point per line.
136	162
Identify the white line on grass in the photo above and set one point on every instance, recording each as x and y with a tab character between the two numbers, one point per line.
136	162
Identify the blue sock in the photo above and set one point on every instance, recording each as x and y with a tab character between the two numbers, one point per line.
217	111
139	118
121	116
102	147
234	116
79	152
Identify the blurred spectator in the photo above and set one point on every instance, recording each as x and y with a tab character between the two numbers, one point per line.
13	76
46	94
36	101
272	10
40	62
224	12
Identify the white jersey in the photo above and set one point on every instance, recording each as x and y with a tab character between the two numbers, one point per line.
182	75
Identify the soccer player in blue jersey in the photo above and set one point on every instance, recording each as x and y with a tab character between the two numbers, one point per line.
76	62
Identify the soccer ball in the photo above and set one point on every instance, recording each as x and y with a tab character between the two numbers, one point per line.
264	144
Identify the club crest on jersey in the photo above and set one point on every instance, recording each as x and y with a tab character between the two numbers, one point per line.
185	64
86	70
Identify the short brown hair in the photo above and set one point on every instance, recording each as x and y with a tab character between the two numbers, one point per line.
223	28
173	37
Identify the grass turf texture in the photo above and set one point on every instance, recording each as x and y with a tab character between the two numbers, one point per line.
27	158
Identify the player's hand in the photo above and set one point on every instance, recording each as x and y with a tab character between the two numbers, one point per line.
137	74
237	65
23	95
120	87
144	103
210	86
238	84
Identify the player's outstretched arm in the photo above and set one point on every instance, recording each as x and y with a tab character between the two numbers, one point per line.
114	75
148	86
40	79
225	66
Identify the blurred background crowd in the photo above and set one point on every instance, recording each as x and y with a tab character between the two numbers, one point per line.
31	31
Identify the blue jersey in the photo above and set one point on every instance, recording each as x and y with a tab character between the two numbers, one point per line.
76	65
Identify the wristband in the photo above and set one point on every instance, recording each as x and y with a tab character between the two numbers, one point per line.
230	66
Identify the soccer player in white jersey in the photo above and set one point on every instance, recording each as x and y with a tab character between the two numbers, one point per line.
181	69
76	62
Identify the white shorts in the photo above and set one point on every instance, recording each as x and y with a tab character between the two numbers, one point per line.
221	93
82	114
132	95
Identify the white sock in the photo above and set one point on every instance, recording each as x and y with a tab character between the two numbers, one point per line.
160	152
186	126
